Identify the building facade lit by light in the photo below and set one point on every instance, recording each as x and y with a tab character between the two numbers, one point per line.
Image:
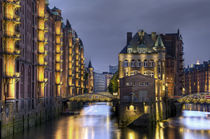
156	55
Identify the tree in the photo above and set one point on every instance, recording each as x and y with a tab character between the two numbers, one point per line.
113	86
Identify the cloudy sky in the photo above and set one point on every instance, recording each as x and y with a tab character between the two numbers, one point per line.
102	25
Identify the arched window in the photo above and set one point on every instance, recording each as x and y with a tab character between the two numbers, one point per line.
133	63
159	67
22	87
139	63
29	86
145	63
151	63
125	63
29	82
22	82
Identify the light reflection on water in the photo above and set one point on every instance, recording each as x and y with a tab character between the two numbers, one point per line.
95	122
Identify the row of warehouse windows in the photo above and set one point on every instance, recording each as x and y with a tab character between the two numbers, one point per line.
138	63
137	83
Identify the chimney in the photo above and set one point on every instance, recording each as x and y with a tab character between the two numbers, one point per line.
129	37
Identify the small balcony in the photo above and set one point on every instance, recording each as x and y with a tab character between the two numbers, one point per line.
44	81
10	75
16	3
10	51
58	43
59	70
59	61
42	64
12	34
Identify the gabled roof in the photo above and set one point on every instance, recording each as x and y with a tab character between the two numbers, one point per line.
145	41
68	25
159	42
90	64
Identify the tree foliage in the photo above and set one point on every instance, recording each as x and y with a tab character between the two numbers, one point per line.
113	86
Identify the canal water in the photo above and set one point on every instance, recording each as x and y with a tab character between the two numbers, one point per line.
96	122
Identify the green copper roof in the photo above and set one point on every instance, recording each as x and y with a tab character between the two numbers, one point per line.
159	42
143	42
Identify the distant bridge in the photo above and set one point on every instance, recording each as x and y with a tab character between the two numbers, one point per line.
93	97
203	97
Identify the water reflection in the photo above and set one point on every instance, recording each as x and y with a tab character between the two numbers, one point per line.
95	122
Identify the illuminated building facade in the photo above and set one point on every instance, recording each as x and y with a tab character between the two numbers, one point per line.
158	56
197	78
73	62
41	62
144	54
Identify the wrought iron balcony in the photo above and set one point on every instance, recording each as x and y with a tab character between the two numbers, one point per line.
10	51
59	70
15	2
59	61
61	83
9	75
12	34
44	81
42	64
58	43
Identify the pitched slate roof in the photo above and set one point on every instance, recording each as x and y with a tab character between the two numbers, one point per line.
142	40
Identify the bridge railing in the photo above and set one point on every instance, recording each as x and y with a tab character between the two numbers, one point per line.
203	97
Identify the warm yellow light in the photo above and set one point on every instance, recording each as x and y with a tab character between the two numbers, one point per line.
41	74
10	66
9	11
58	27
41	59
10	28
58	39
10	45
70	81
131	135
70	42
42	90
41	8
58	66
41	35
41	24
58	57
58	49
11	89
57	78
131	108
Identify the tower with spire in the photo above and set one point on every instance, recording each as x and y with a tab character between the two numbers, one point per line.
90	77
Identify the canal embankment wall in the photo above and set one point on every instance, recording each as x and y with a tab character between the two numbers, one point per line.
14	121
147	114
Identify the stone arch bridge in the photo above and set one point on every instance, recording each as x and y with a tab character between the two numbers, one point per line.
94	97
201	98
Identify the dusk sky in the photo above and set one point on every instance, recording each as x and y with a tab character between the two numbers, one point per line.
103	24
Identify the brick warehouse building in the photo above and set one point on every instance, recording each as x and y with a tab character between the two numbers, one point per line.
197	78
142	55
41	61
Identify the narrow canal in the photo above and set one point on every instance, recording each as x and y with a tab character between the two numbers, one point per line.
95	122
